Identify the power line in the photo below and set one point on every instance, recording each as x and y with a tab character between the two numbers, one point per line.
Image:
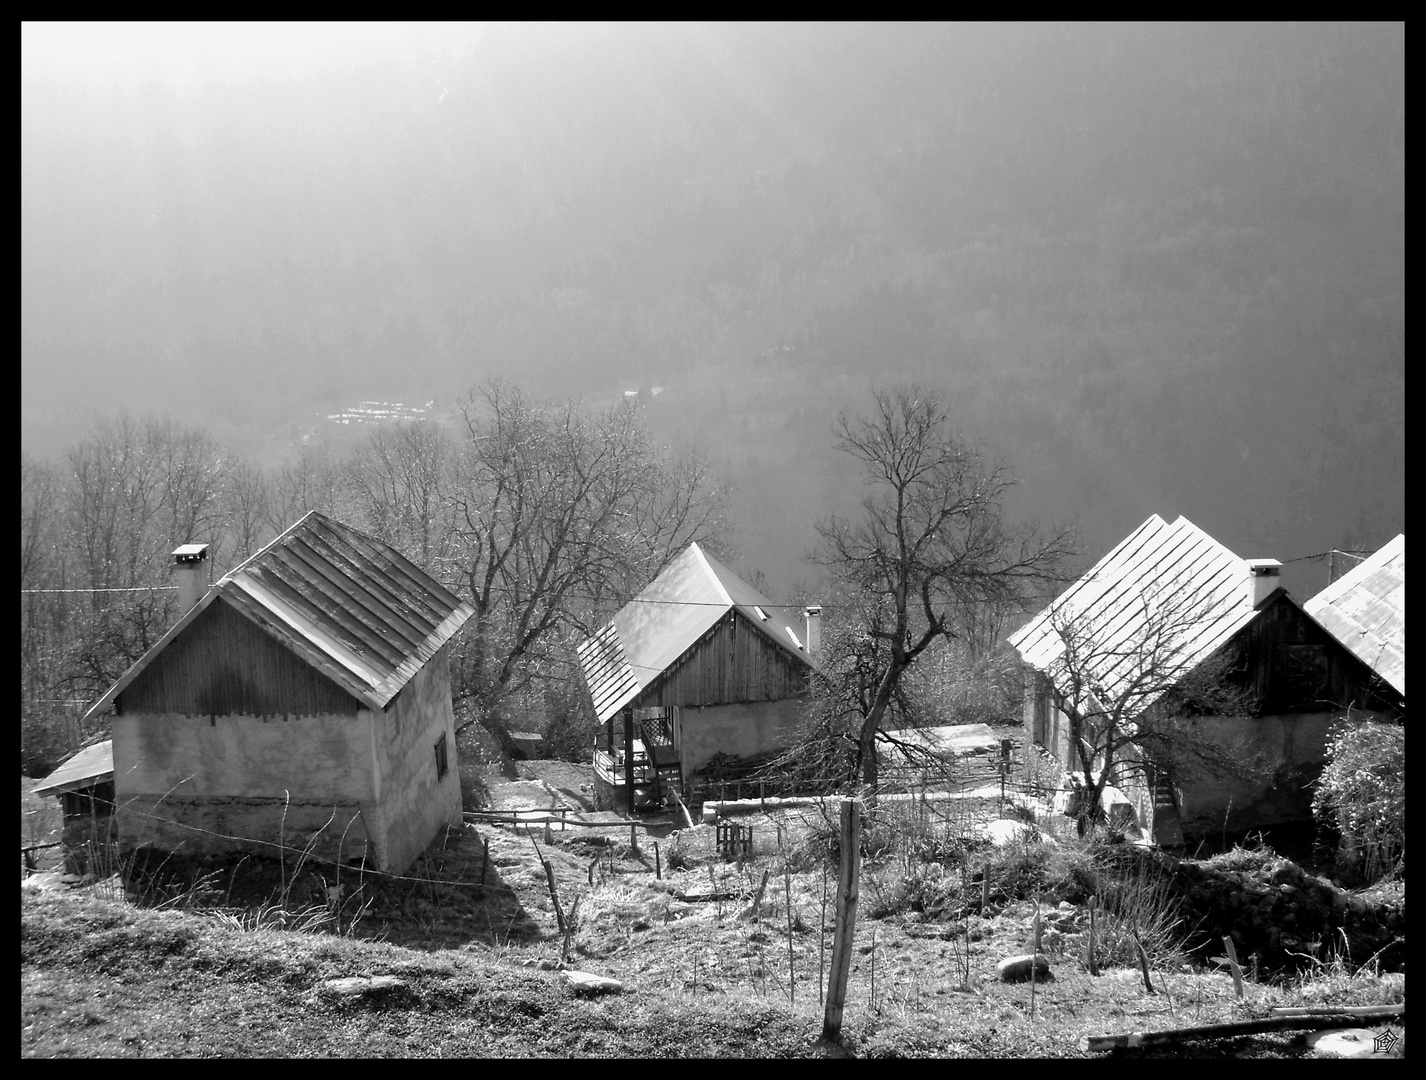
1355	553
149	588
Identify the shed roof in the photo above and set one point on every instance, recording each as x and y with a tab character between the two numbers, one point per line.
1120	598
88	767
353	607
1365	609
664	621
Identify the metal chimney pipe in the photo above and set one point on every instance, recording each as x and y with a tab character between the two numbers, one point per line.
814	630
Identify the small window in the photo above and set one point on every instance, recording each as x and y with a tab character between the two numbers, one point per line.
761	613
442	761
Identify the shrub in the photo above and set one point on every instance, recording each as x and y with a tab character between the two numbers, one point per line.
1362	791
567	725
47	738
1250	860
1138	901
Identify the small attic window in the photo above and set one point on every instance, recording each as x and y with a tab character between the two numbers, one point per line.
793	636
442	761
761	613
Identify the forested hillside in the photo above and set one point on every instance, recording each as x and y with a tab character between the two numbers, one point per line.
1162	267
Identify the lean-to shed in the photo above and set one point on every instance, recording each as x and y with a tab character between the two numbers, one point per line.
304	700
84	785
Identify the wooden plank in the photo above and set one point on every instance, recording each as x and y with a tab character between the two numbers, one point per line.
1101	1043
1355	1011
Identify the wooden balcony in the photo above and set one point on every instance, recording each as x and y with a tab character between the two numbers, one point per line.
653	770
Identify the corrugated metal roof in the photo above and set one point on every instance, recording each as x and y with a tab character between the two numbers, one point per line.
1158	566
664	621
353	607
1365	609
90	765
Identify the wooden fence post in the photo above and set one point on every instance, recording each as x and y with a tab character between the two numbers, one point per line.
1090	960
758	899
1034	956
1233	966
848	885
791	959
554	894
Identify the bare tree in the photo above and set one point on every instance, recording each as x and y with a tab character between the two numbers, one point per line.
556	512
931	543
1128	681
39	521
48	713
192	475
113	490
313	482
246	498
95	534
400	480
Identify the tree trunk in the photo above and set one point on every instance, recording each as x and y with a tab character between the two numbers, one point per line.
866	743
497	729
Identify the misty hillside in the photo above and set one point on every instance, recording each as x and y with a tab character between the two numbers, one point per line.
1161	267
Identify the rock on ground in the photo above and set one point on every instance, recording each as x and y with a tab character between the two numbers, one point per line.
1345	1043
583	982
355	985
1018	968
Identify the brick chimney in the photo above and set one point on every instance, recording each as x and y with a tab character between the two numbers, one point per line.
190	572
814	630
1264	576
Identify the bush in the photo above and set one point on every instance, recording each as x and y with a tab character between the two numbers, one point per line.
568	729
1362	791
1137	901
49	736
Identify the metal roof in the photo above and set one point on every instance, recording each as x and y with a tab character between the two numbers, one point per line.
351	606
1365	609
89	766
952	740
664	621
1158	568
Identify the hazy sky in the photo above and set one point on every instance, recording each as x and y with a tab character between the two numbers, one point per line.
1161	265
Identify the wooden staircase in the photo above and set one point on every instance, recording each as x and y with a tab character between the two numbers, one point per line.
655	730
1166	829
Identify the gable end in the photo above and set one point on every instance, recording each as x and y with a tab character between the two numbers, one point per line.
223	664
1290	664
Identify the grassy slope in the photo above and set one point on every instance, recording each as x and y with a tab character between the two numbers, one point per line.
701	979
101	978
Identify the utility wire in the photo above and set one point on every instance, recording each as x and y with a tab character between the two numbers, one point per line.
142	588
1355	553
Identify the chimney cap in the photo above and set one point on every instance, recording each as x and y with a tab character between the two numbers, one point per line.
1264	567
190	553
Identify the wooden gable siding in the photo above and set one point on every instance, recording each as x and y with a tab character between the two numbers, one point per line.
731	663
224	665
1292	664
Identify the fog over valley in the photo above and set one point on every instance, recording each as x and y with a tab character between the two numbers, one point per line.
1158	268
